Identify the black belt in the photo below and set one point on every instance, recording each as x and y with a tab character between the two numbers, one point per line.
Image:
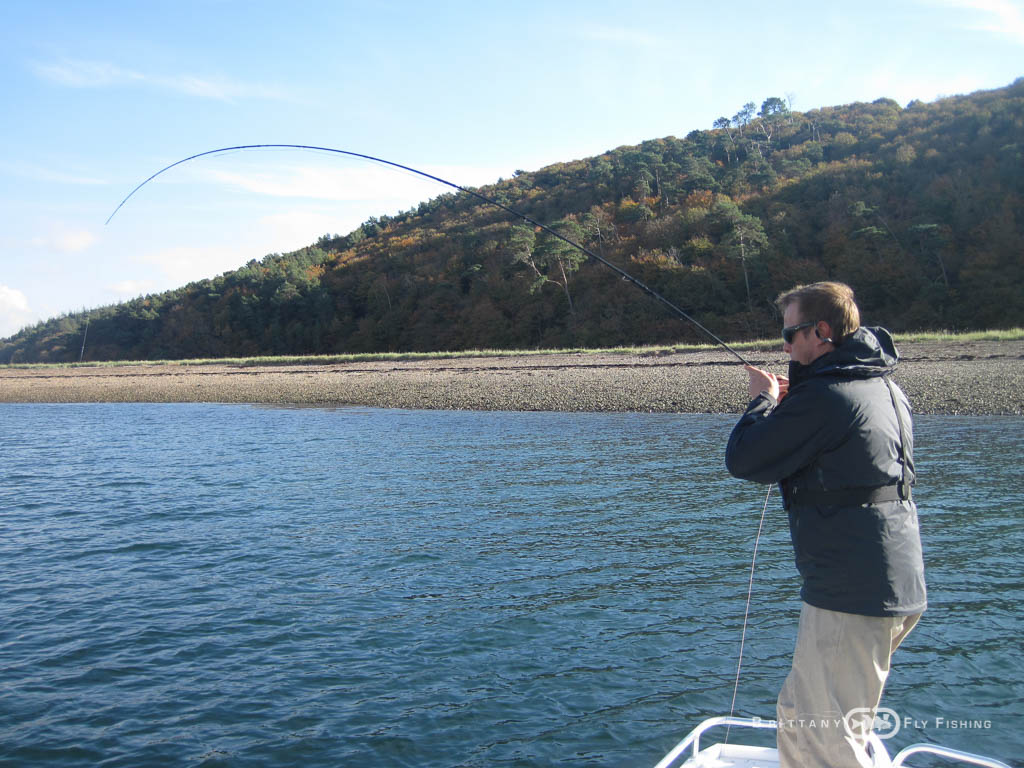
848	497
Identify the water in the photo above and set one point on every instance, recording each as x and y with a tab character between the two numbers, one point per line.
237	585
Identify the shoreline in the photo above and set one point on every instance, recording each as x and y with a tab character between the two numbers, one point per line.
970	378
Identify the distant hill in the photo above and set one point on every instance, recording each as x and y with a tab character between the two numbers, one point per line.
919	208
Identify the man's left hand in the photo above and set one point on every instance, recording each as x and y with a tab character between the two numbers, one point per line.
762	381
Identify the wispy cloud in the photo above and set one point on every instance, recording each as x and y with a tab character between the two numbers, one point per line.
277	233
910	87
1004	18
65	178
311	183
183	264
180	264
126	289
78	73
291	230
39	173
604	33
86	74
280	232
379	183
65	241
219	88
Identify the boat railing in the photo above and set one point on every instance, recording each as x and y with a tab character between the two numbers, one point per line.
954	754
692	741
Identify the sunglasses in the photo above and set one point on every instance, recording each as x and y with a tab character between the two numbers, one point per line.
789	332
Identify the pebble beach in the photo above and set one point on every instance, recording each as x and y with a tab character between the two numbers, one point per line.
976	378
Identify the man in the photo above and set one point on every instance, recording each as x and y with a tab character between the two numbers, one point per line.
836	435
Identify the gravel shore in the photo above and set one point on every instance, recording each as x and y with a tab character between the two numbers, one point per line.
985	377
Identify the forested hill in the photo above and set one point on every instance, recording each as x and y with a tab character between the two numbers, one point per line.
918	207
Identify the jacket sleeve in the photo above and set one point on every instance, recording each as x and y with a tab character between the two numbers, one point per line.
772	442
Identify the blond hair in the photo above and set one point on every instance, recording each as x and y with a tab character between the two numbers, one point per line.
832	302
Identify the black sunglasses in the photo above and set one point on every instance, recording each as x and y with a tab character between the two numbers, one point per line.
789	332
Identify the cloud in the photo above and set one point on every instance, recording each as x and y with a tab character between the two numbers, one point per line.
909	87
78	73
15	312
67	241
325	200
86	74
292	230
603	33
277	233
127	289
312	183
1002	18
63	178
385	185
39	173
184	264
219	89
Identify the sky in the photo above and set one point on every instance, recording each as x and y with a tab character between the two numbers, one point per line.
97	96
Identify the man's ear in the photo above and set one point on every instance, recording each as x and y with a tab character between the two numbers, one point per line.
824	332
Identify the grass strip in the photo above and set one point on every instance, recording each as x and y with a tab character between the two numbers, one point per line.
1010	334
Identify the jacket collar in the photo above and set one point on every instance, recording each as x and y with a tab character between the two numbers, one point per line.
868	352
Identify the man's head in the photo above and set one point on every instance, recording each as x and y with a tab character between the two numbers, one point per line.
817	318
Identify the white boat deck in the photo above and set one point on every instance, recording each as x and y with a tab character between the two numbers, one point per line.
738	756
745	756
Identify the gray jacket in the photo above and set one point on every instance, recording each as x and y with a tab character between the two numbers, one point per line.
832	438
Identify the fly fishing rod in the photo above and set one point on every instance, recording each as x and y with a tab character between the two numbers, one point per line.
490	201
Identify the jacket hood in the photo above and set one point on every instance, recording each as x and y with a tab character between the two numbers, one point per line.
866	353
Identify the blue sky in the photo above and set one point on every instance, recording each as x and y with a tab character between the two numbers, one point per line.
99	95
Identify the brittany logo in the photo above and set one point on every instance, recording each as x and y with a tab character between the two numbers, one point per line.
886	722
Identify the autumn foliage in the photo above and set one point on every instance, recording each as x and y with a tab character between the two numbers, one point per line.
919	208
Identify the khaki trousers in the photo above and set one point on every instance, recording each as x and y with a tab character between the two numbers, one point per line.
827	705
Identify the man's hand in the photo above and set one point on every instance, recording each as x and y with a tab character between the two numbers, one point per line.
762	381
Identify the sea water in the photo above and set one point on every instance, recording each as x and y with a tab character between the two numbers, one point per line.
244	585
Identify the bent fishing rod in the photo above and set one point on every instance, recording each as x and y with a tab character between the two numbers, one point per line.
490	201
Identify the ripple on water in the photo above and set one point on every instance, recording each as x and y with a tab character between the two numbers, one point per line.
229	585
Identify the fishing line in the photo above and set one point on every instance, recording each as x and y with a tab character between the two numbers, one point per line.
746	613
490	201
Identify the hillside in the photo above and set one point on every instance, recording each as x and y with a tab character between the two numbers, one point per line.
919	208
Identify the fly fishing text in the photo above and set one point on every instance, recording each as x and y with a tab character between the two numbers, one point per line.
946	722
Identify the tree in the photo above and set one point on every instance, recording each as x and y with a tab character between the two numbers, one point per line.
745	240
931	237
728	143
642	187
557	254
772	106
773	110
743	117
919	207
861	210
743	237
549	258
598	227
